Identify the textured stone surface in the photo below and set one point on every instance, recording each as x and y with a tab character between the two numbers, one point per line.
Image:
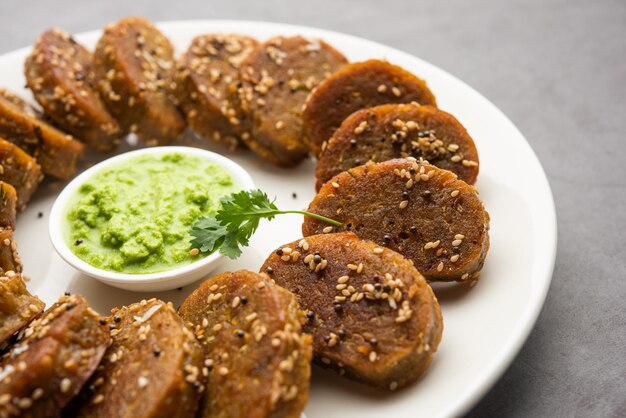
557	68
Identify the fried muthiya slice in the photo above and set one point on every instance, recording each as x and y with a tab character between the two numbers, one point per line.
372	315
153	367
358	86
58	153
397	131
206	85
8	206
19	170
258	359
52	360
423	212
276	80
59	73
17	306
134	63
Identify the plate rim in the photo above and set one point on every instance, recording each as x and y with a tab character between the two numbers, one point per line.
544	265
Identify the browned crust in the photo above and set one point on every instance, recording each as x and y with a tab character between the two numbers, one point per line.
442	226
8	206
17	306
397	131
57	153
276	80
153	367
59	73
258	359
372	315
10	260
206	85
134	64
358	86
57	353
19	170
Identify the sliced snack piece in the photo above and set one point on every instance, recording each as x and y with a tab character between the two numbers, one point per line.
153	368
59	73
276	80
57	153
259	360
358	86
17	306
423	212
206	85
396	131
134	64
372	315
8	206
20	170
55	356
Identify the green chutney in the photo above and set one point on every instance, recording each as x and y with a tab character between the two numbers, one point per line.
135	216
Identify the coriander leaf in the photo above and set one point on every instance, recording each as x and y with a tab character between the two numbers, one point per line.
236	221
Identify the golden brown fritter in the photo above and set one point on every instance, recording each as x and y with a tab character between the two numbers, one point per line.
20	170
358	86
259	360
153	368
206	85
60	75
423	212
276	80
397	131
372	315
17	306
134	64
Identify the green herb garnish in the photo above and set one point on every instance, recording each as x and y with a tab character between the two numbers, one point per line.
236	221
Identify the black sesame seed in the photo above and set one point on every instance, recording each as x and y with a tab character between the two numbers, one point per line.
426	194
40	215
317	259
387	238
341	333
310	314
338	308
456	250
413	229
156	352
294	195
326	338
378	286
269	270
240	333
243	300
103	322
405	195
376	278
67	294
386	288
69	306
357	163
279	251
353	142
412	170
117	318
374	342
179	288
78	241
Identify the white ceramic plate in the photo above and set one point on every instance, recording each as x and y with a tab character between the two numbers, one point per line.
484	326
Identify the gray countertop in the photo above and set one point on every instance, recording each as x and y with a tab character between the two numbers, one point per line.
557	68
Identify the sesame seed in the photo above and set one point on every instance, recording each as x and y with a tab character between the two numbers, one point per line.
456	242
393	385
440	266
269	270
454	258
469	163
455	158
454	193
236	301
459	236
343	279
378	250
244	300
396	91
381	88
352	266
98	399
403	204
373	356
65	385
359	268
223	371
327	229
335	184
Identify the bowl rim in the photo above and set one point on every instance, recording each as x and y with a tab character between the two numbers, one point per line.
55	225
